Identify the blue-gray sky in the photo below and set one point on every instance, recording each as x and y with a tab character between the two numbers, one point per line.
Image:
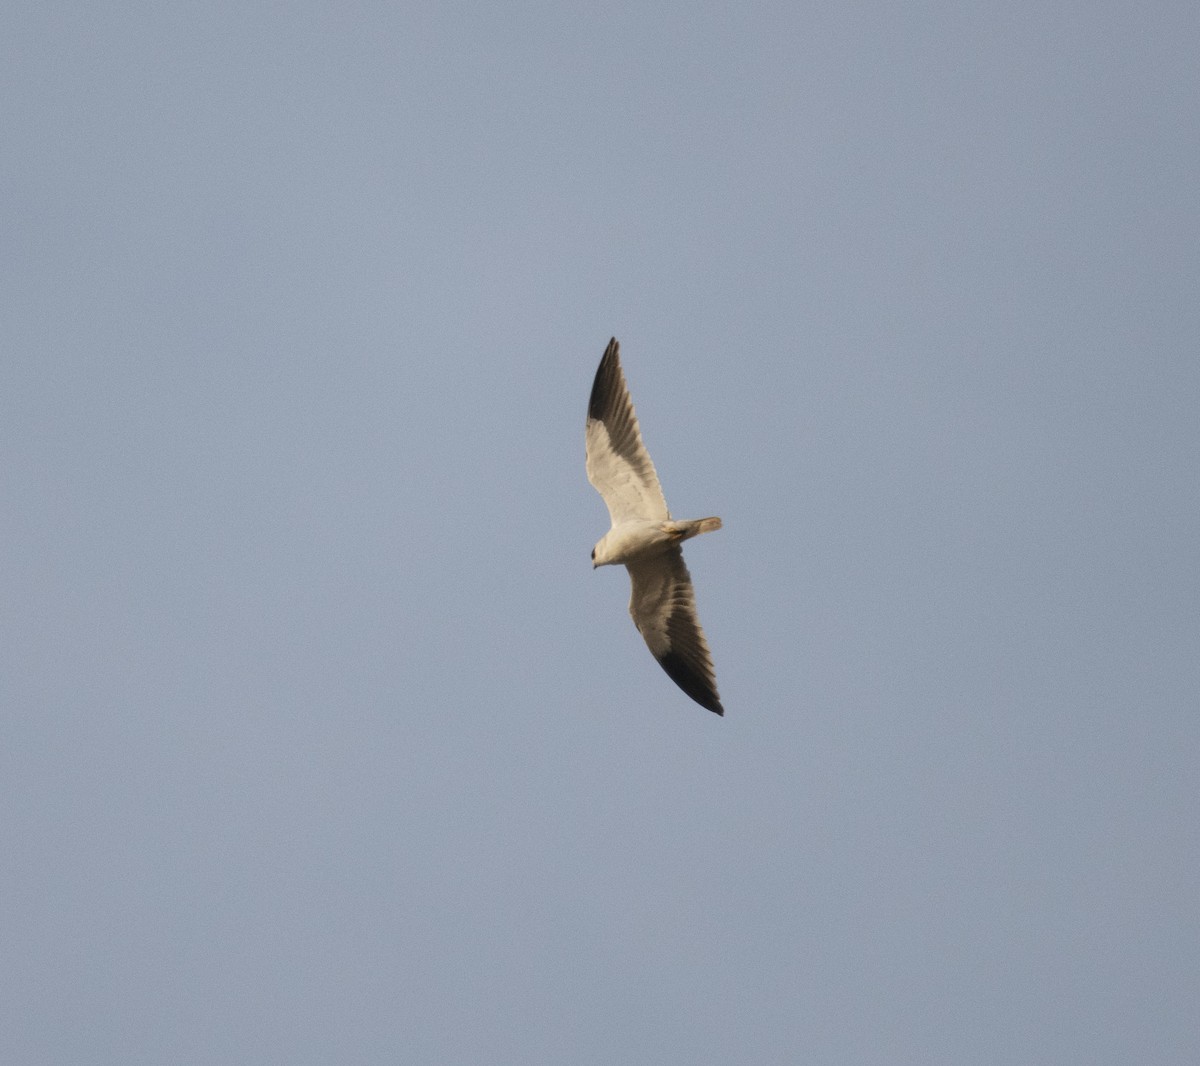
323	742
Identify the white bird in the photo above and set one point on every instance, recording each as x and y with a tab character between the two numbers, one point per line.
644	538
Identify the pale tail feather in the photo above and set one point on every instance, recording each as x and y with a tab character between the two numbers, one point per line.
692	527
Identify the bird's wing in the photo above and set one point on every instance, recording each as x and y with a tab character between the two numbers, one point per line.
617	461
663	606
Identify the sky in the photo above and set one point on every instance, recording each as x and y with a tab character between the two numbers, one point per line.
323	742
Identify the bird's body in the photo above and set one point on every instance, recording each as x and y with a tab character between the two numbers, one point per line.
632	541
644	538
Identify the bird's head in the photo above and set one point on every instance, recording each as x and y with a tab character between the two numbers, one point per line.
600	552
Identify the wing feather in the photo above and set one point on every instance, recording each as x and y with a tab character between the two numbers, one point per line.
663	606
618	464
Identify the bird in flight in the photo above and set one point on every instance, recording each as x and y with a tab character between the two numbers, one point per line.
645	538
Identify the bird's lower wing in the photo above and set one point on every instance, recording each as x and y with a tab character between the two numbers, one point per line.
663	606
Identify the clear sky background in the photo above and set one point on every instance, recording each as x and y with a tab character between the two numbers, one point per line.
323	743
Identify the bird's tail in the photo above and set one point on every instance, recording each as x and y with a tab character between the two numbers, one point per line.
692	527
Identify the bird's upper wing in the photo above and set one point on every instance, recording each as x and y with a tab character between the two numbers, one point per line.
663	606
617	461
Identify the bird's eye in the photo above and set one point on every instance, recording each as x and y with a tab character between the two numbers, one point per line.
593	555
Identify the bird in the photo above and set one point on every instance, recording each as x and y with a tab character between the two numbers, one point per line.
644	537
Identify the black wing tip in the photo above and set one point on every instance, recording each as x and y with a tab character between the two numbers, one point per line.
606	382
693	684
